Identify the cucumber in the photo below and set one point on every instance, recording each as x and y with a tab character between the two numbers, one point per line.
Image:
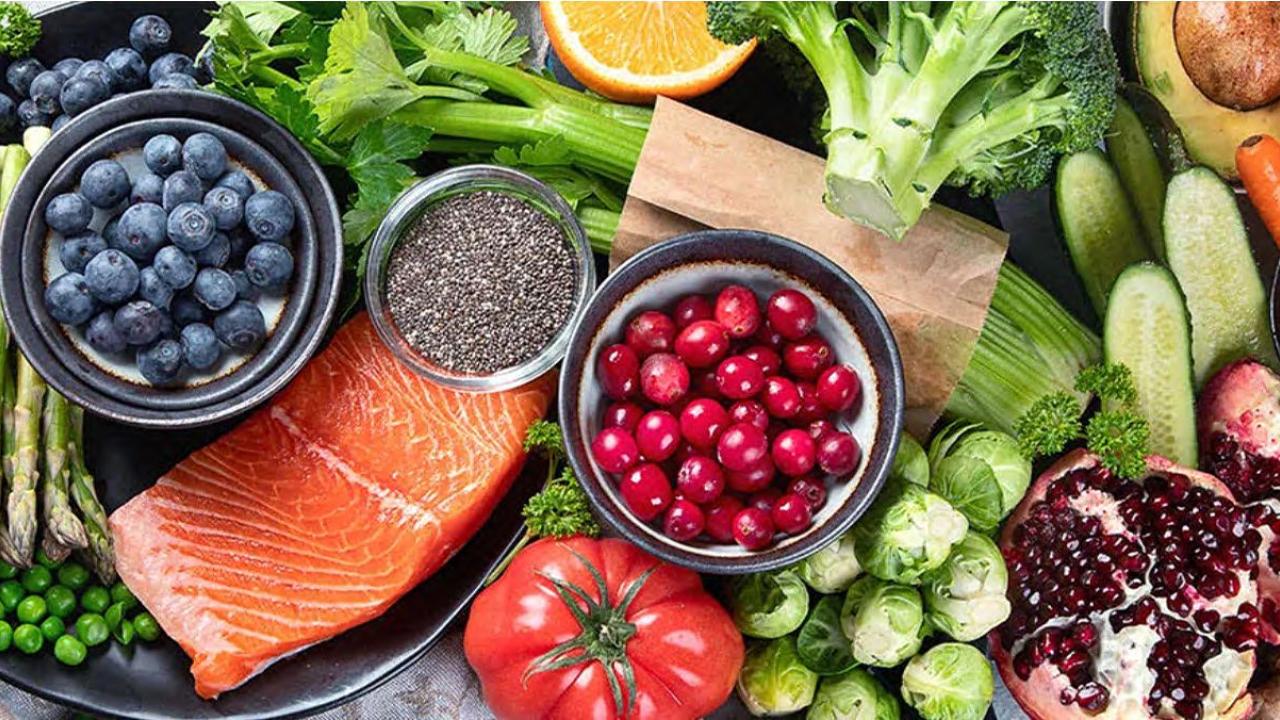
1098	223
1139	170
1147	329
1208	250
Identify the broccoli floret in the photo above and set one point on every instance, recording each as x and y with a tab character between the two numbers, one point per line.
978	94
19	29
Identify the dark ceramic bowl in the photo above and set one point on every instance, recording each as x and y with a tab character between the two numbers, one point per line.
297	320
704	262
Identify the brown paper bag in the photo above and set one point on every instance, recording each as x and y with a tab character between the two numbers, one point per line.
934	286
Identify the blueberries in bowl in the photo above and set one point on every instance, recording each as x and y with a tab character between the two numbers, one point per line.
153	289
112	277
204	155
200	347
141	231
191	227
238	181
163	155
105	184
69	300
77	250
175	267
269	215
241	326
182	187
214	288
226	206
269	265
101	334
147	188
68	213
160	363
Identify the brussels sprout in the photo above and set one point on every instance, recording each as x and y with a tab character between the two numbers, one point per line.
910	463
908	532
854	695
768	605
965	598
999	451
970	486
833	568
773	681
821	643
853	600
888	625
950	682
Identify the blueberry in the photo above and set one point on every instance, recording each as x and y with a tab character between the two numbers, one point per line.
21	73
241	241
182	187
186	309
153	289
129	68
112	276
147	188
59	122
105	184
77	250
225	205
245	290
141	231
214	288
269	265
68	213
160	363
216	253
80	94
111	232
68	66
163	154
30	116
200	346
46	90
139	322
205	155
8	114
241	326
98	70
150	35
191	227
175	267
175	81
238	181
170	64
102	335
68	299
269	215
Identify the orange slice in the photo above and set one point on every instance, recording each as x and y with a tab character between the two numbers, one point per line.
634	51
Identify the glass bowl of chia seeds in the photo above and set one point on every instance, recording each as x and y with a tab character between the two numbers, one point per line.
477	276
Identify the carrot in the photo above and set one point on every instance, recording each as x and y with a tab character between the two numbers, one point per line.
1258	162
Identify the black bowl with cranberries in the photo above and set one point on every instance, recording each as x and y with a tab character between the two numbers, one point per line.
732	400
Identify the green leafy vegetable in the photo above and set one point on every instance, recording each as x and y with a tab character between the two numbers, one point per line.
821	644
906	533
970	486
773	681
888	626
910	462
19	29
768	605
1051	423
1119	437
833	568
981	472
1109	381
951	681
855	695
965	598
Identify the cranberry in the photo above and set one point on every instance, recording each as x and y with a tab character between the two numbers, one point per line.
646	491
752	528
615	450
839	388
780	397
818	429
811	409
719	517
791	513
625	415
792	313
702	344
658	435
838	453
794	452
650	332
704	383
664	380
807	358
768	337
684	520
702	421
764	499
738	311
750	412
691	309
619	370
769	360
753	479
811	489
700	479
742	446
739	377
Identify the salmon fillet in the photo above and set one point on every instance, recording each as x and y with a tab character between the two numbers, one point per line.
314	515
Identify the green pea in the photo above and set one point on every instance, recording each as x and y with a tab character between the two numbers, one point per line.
11	593
7	571
6	636
114	615
28	639
95	599
69	650
32	609
37	579
43	559
123	633
147	627
73	575
52	628
120	593
92	629
61	601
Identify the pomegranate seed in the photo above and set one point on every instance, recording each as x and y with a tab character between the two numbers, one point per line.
719	515
750	412
794	452
702	344
811	489
1093	698
691	309
818	429
780	397
614	450
807	358
650	332
664	380
770	362
700	479
625	415
752	479
702	421
683	521
658	435
752	528
838	453
839	388
1084	634
619	370
792	313
739	377
764	499
791	514
737	310
646	491
742	446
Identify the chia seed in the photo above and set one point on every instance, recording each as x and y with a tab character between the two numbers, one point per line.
481	282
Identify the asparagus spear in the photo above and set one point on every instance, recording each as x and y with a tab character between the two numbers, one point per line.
101	552
26	466
6	412
63	530
15	158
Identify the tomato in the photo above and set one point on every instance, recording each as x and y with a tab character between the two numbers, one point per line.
583	629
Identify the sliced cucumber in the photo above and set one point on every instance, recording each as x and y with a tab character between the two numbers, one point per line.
1138	167
1208	251
1098	223
1147	330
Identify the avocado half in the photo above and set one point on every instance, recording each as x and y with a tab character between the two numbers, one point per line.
1211	130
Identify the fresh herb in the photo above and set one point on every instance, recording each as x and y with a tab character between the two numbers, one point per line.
19	29
545	436
1049	426
1109	381
1119	438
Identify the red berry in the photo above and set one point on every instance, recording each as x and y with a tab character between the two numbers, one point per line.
794	452
700	479
658	435
739	377
792	313
664	380
614	450
691	309
702	421
704	383
702	343
768	337
738	311
625	415
769	360
811	409
645	490
753	479
838	453
811	489
742	446
818	429
650	332
807	358
684	520
764	499
719	517
780	397
791	513
839	388
752	528
619	370
750	412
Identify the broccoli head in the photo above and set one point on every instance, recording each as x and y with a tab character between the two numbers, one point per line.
19	29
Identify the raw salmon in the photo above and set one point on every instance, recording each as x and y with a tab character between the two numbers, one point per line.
319	511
